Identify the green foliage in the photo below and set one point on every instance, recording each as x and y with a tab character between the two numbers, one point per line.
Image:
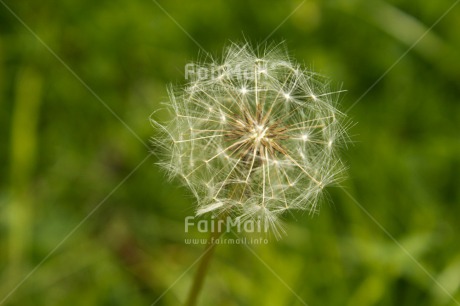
63	153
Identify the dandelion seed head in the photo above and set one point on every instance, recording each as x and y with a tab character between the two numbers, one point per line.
241	148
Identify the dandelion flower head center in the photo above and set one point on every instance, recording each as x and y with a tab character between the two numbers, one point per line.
254	135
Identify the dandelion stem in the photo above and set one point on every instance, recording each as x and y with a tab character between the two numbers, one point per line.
203	267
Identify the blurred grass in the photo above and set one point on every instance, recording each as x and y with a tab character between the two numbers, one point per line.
62	152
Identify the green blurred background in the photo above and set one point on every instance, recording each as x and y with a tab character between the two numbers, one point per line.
63	153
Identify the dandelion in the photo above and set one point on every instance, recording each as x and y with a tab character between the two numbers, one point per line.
255	137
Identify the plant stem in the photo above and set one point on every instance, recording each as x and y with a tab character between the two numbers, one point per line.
23	155
202	268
